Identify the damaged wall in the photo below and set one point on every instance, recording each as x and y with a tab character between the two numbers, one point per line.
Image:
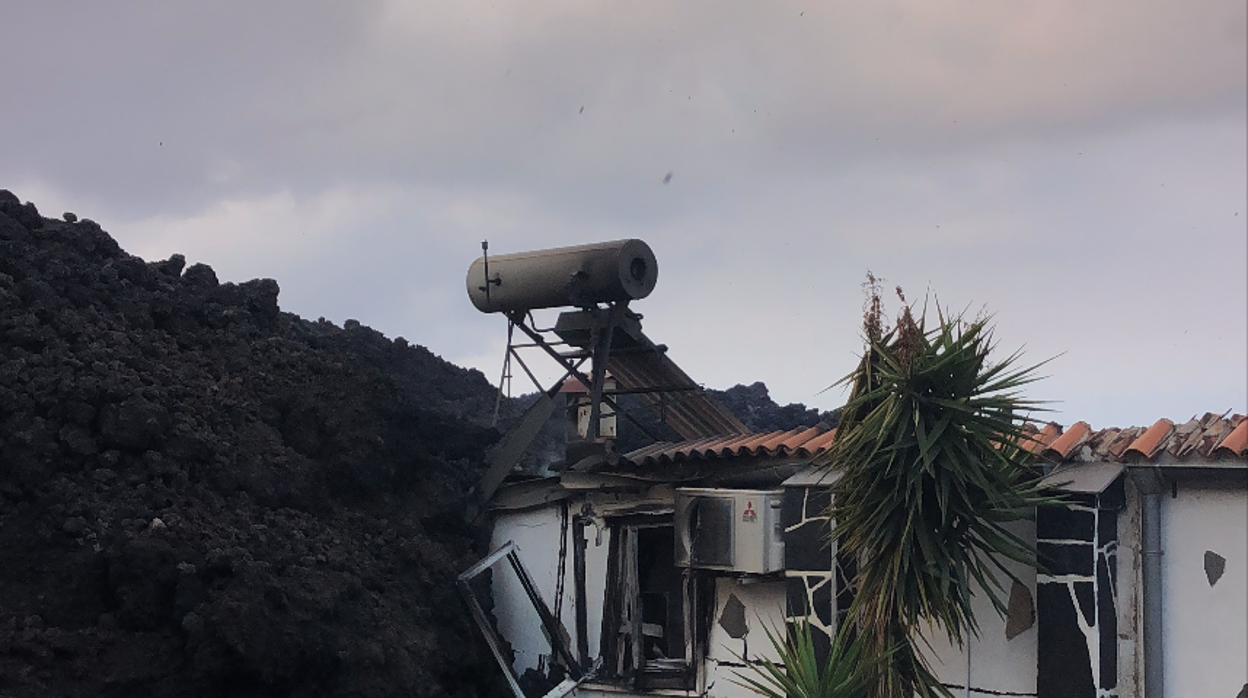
744	609
740	607
536	534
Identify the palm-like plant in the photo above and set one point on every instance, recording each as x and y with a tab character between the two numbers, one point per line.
800	673
931	471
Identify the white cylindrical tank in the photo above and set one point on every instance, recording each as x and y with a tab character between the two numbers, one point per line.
578	276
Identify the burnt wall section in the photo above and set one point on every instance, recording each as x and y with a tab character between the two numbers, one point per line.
1077	654
811	581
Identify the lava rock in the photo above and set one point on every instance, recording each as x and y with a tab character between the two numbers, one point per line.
203	496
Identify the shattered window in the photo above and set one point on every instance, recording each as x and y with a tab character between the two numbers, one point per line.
659	588
647	619
480	586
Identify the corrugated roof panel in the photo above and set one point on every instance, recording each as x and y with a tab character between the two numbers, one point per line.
645	453
736	446
818	444
775	442
799	438
685	406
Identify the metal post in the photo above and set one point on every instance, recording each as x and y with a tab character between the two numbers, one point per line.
603	333
572	369
578	580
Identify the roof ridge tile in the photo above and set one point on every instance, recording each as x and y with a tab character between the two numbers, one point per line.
1039	439
1063	445
1123	441
1151	441
1236	443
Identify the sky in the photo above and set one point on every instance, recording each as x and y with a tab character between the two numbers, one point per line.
1077	170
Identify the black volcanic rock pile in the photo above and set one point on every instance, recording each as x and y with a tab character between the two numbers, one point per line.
201	495
752	404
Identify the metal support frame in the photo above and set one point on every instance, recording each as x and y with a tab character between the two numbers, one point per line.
603	332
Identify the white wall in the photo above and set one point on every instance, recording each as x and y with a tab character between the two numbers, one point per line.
996	664
536	534
1205	627
764	608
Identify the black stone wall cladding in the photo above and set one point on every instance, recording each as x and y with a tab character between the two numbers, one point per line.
810	582
1107	620
846	572
806	526
1063	665
1077	653
1069	558
1066	524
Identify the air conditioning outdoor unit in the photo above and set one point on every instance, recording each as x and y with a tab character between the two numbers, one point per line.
729	530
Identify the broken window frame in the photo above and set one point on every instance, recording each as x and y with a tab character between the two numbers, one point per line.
508	552
622	660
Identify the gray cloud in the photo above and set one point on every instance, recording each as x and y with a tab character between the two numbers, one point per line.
248	96
1078	169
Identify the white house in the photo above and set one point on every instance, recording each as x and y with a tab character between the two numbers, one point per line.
638	561
658	571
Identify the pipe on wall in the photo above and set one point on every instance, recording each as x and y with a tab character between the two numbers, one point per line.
1149	482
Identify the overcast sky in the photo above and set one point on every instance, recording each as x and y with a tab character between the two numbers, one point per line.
1076	169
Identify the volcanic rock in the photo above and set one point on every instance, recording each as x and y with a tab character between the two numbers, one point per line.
202	495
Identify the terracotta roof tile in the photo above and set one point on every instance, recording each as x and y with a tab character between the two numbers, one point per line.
799	438
1187	436
1038	439
1064	444
1119	444
1196	441
1101	440
1151	441
766	443
1236	443
751	442
819	444
1214	429
1209	438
